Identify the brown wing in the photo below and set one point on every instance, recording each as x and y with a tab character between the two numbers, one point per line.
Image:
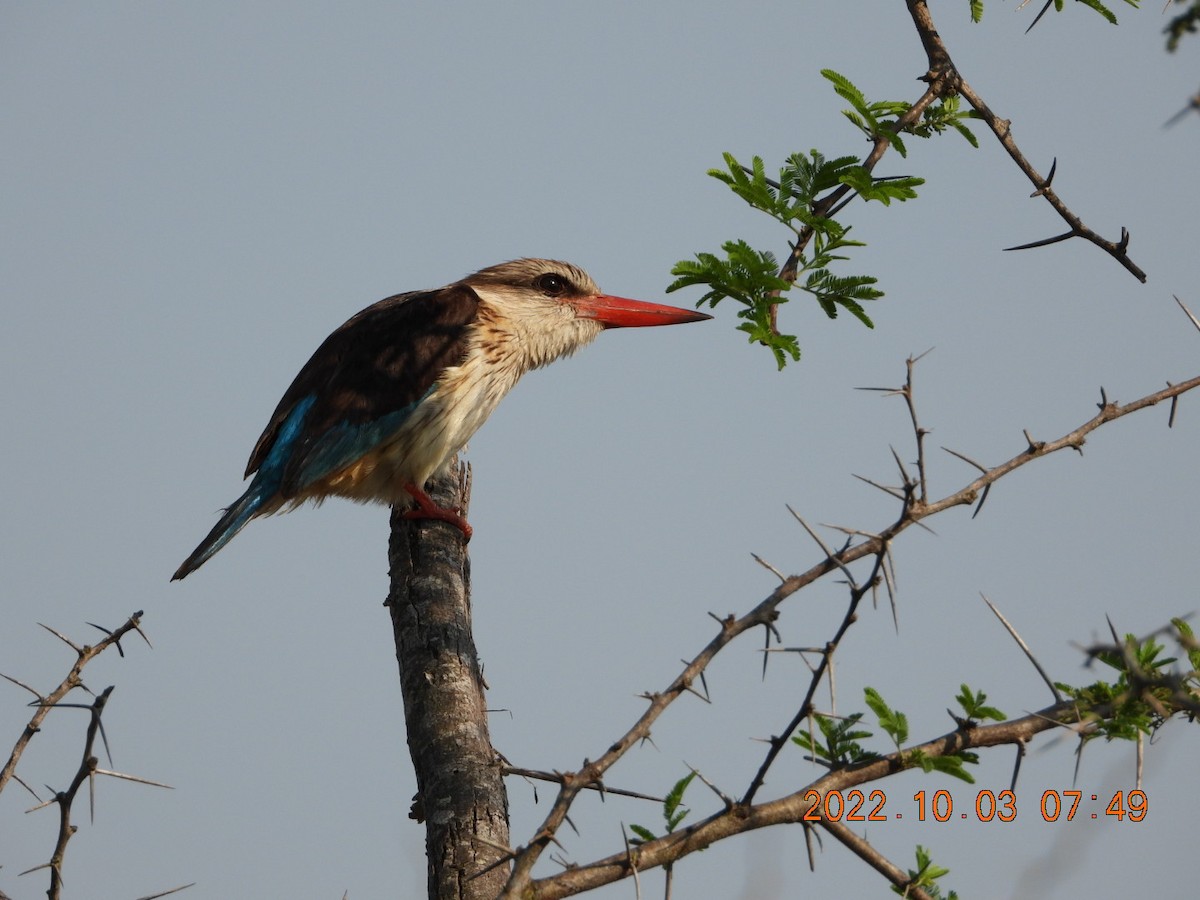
365	376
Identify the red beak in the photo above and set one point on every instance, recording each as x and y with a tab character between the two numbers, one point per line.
620	312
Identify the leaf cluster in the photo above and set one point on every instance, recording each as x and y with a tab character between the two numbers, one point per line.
806	197
974	705
925	877
1097	6
837	745
753	277
880	118
1146	685
1182	24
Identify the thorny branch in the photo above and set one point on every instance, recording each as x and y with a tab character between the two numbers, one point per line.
89	766
943	72
801	806
745	815
74	679
944	79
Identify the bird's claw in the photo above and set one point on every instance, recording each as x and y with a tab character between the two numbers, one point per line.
427	509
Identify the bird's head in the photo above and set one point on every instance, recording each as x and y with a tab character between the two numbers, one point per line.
555	307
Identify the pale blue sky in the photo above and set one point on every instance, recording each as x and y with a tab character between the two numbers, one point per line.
194	195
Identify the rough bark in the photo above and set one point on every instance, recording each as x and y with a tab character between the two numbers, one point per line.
460	790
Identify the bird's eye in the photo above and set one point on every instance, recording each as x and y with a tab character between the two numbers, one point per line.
551	285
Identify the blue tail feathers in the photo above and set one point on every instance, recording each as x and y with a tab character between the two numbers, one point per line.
263	489
245	508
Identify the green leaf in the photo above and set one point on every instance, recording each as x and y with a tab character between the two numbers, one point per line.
845	89
893	722
643	834
976	11
966	133
844	292
841	747
745	275
973	704
925	877
1188	639
885	190
948	764
1102	9
673	812
1181	25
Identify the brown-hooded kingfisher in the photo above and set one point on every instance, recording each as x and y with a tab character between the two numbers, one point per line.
393	394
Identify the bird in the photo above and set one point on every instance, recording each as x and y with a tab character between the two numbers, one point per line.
393	394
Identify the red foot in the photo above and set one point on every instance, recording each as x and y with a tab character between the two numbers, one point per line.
427	509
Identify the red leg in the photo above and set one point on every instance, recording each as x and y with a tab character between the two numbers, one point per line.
427	509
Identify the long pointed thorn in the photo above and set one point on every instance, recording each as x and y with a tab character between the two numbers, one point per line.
19	780
167	893
1192	104
829	554
770	568
982	468
21	684
1046	181
987	489
889	580
1113	629
138	628
891	491
139	780
692	690
44	803
1187	312
62	637
1017	764
900	465
1024	648
725	798
1044	242
1038	18
104	739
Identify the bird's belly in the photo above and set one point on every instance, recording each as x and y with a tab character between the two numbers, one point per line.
437	429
